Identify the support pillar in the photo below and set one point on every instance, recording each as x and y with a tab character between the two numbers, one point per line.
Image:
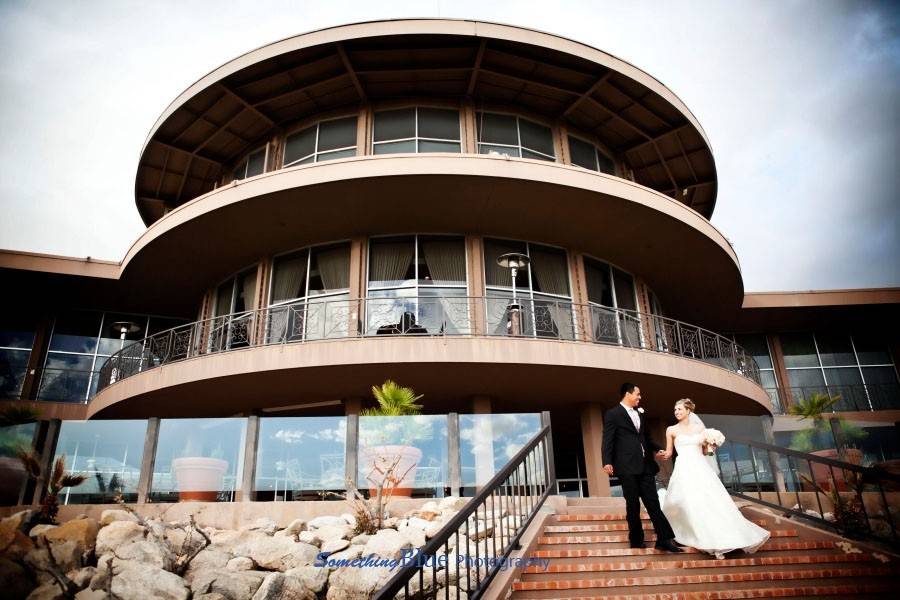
151	439
352	406
248	473
351	464
769	436
454	467
592	438
48	449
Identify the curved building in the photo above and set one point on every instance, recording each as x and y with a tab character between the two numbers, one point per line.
505	220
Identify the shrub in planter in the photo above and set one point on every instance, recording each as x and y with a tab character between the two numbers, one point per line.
197	477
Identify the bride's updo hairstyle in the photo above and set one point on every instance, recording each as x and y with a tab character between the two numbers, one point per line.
687	403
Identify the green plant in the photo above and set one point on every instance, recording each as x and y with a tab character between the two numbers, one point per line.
16	414
393	401
407	425
849	513
58	480
817	408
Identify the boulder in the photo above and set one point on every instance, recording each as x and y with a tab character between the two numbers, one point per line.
112	515
118	533
350	519
16	521
348	554
429	515
233	585
14	544
279	586
418	523
90	594
262	524
15	583
387	543
453	503
144	552
296	526
456	594
309	537
49	590
40	529
430	506
360	539
433	529
210	558
240	563
68	556
81	531
391	523
134	580
328	533
82	577
326	520
334	546
210	596
314	578
415	535
351	583
274	553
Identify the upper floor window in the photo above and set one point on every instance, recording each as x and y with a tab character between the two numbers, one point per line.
325	140
757	346
416	129
317	271
254	164
16	339
585	154
510	135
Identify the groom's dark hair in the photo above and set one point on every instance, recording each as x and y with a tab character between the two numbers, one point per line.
626	388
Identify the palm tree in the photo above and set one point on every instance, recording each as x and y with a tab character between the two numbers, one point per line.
59	479
818	408
393	401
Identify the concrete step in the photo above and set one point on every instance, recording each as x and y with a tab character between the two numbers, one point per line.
607	526
799	592
771	546
554	540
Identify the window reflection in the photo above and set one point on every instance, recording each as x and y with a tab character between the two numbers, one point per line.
12	473
488	442
299	457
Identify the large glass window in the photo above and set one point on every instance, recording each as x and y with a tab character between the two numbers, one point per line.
584	154
309	297
299	457
510	135
840	364
416	129
109	453
253	165
235	302
417	284
198	459
12	474
325	140
609	288
757	346
543	293
16	340
488	442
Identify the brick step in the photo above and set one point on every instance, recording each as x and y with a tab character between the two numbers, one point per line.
601	539
699	563
608	527
611	516
691	579
772	546
798	592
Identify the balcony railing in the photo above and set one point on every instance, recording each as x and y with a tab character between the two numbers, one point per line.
858	397
325	319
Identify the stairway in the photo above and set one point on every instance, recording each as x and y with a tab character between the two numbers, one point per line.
589	557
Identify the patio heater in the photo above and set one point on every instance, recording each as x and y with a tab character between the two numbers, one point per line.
123	328
514	261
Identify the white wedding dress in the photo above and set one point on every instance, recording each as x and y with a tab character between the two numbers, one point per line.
699	508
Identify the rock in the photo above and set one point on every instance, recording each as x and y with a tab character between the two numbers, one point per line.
40	529
68	556
352	583
433	529
15	583
350	519
113	514
430	506
418	523
82	577
234	585
462	541
16	521
326	520
117	533
334	546
211	596
143	581
262	524
453	503
348	554
278	586
454	593
387	543
15	545
428	515
313	578
296	526
275	553
330	533
309	537
480	531
47	591
391	522
360	539
240	563
143	552
81	531
415	535
90	594
210	558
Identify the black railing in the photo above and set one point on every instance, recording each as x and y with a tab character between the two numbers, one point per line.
856	397
856	501
341	318
469	551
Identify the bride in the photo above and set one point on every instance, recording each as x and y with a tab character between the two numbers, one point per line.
700	510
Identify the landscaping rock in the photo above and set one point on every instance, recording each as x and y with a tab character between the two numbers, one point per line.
348	554
118	533
351	583
90	594
16	521
296	526
40	529
335	546
314	578
47	591
134	580
453	503
143	552
326	520
113	514
275	553
210	558
278	586
263	525
233	585
309	537
14	580
81	531
240	563
387	543
350	519
329	533
415	535
360	539
82	577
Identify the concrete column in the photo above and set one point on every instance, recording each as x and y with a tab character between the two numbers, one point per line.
358	258
248	472
483	440
351	464
352	406
48	450
454	467
36	359
475	276
592	438
781	374
148	459
769	436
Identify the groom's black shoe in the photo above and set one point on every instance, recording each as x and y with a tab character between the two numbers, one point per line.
637	545
668	546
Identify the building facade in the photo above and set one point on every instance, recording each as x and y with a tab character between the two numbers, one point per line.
333	210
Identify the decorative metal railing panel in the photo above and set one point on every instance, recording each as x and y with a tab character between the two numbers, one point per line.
854	500
312	320
473	546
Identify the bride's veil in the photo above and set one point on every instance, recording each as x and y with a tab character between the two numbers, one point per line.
694	419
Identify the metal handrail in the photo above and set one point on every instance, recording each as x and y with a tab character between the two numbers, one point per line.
519	489
846	487
336	318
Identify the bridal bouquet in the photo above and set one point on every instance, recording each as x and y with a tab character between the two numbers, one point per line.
713	438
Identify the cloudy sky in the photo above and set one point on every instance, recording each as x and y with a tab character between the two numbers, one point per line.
801	100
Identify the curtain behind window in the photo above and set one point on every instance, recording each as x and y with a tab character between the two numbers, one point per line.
248	291
446	260
290	277
549	271
494	273
390	261
598	288
334	268
624	290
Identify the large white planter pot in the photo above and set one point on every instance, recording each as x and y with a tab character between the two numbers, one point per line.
378	459
199	478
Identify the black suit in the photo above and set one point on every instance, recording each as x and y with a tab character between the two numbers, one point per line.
630	452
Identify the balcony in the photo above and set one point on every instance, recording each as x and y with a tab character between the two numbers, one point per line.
428	317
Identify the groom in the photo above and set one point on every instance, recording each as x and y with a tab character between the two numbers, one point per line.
628	454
